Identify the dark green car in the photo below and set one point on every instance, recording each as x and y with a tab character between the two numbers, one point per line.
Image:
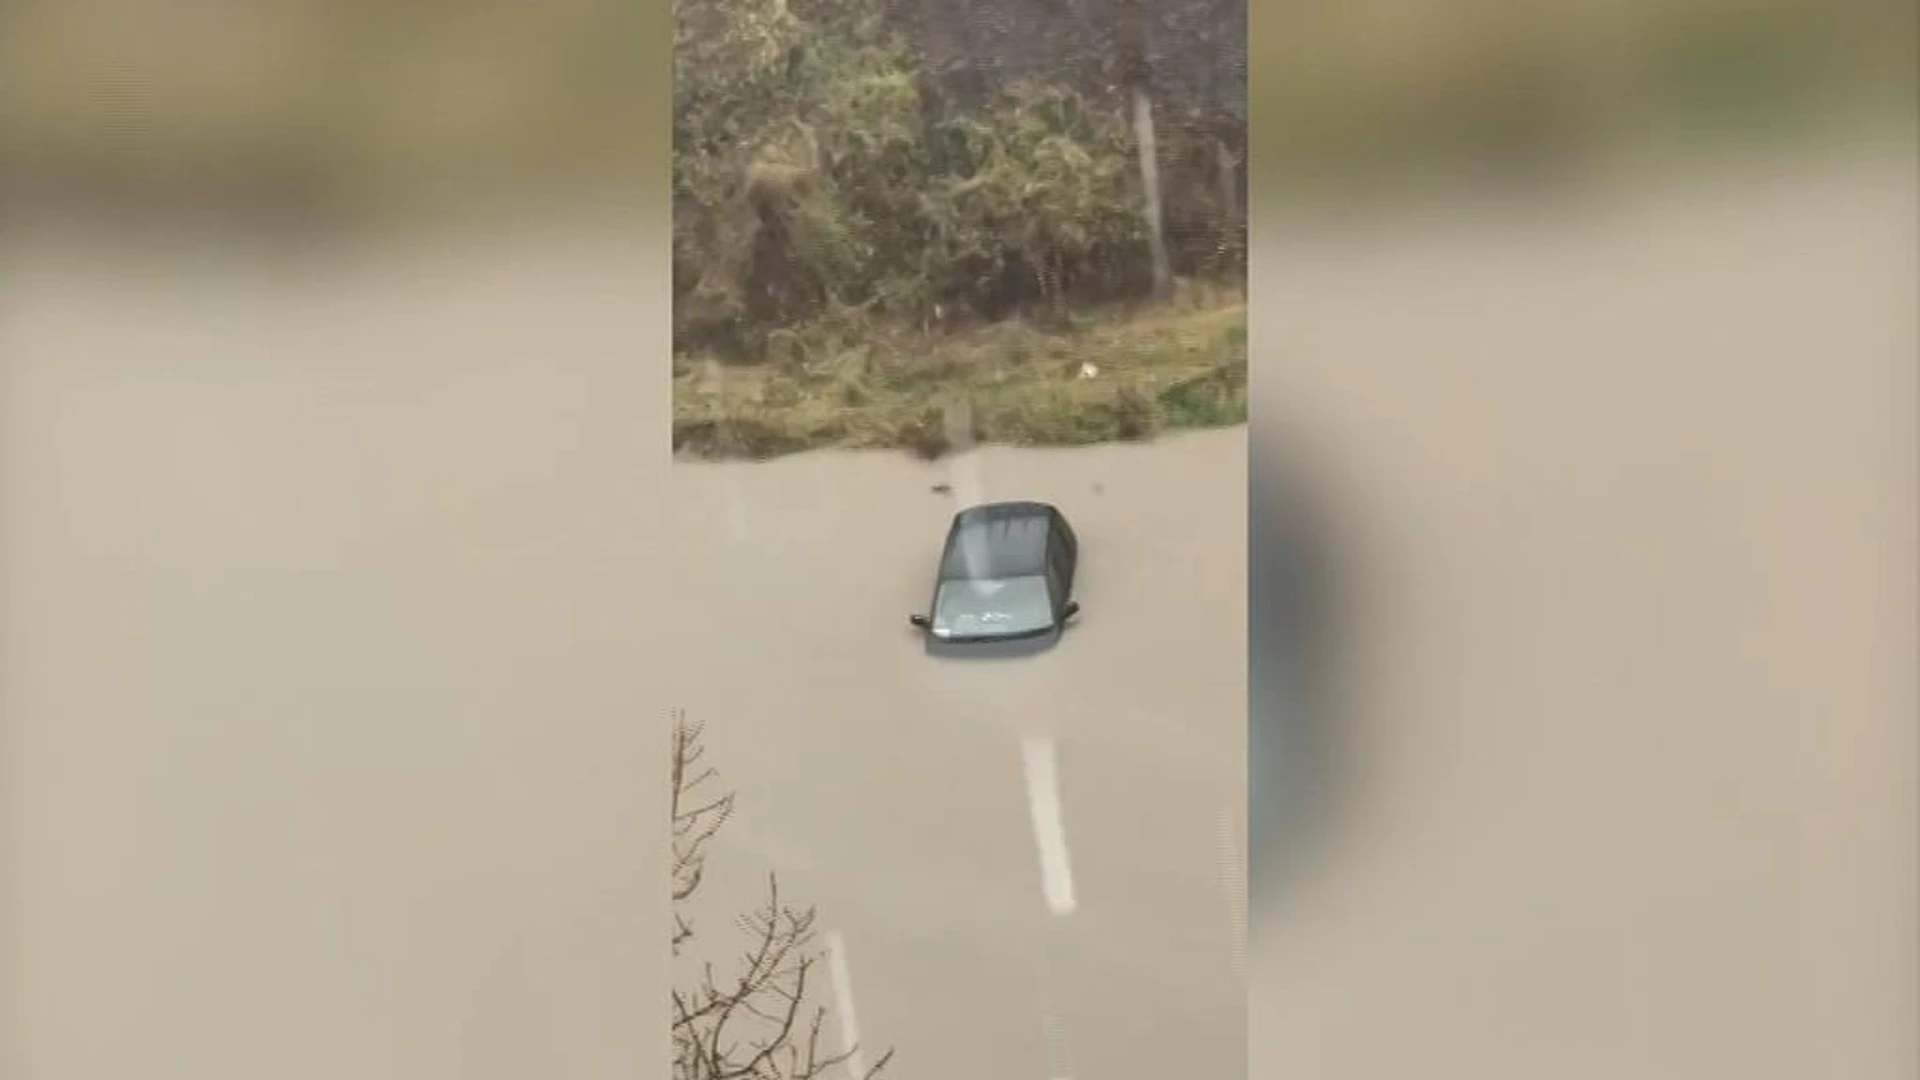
1006	574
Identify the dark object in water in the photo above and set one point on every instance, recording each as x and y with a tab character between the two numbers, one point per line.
1006	574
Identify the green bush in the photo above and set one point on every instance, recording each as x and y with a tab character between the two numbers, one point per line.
820	174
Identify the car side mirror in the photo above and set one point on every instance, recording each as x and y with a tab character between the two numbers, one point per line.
920	621
1069	610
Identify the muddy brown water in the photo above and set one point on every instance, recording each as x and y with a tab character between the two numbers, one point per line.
345	602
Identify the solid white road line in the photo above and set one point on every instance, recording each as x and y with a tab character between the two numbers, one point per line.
843	1004
1043	797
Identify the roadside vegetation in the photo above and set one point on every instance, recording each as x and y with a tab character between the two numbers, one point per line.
872	236
1122	376
890	214
887	208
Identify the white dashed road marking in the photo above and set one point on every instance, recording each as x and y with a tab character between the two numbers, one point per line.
843	1004
1043	796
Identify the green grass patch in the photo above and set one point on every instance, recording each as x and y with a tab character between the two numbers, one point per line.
1127	377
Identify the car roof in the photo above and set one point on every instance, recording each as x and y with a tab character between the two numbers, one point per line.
1005	539
996	510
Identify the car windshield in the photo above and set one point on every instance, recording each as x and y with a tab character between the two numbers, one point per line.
992	607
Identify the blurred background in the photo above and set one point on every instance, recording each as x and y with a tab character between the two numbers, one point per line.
1583	616
1583	576
1406	94
328	743
345	110
358	104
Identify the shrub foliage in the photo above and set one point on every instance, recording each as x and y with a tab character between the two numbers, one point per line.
823	170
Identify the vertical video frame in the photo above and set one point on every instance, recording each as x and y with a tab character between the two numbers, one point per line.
959	375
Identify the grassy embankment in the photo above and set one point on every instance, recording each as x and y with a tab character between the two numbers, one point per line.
1126	376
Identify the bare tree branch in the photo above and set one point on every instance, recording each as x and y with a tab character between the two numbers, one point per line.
755	1023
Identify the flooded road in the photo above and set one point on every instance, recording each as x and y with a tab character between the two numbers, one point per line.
346	601
1035	862
1617	747
325	738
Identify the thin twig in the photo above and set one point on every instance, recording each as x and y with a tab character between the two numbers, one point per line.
749	1026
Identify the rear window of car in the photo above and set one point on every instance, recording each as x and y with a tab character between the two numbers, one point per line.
997	548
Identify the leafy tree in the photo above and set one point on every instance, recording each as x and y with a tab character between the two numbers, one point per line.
825	170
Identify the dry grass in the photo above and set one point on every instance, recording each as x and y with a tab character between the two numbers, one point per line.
1125	377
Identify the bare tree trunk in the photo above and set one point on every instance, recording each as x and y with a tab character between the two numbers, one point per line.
1135	74
1150	190
1230	232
